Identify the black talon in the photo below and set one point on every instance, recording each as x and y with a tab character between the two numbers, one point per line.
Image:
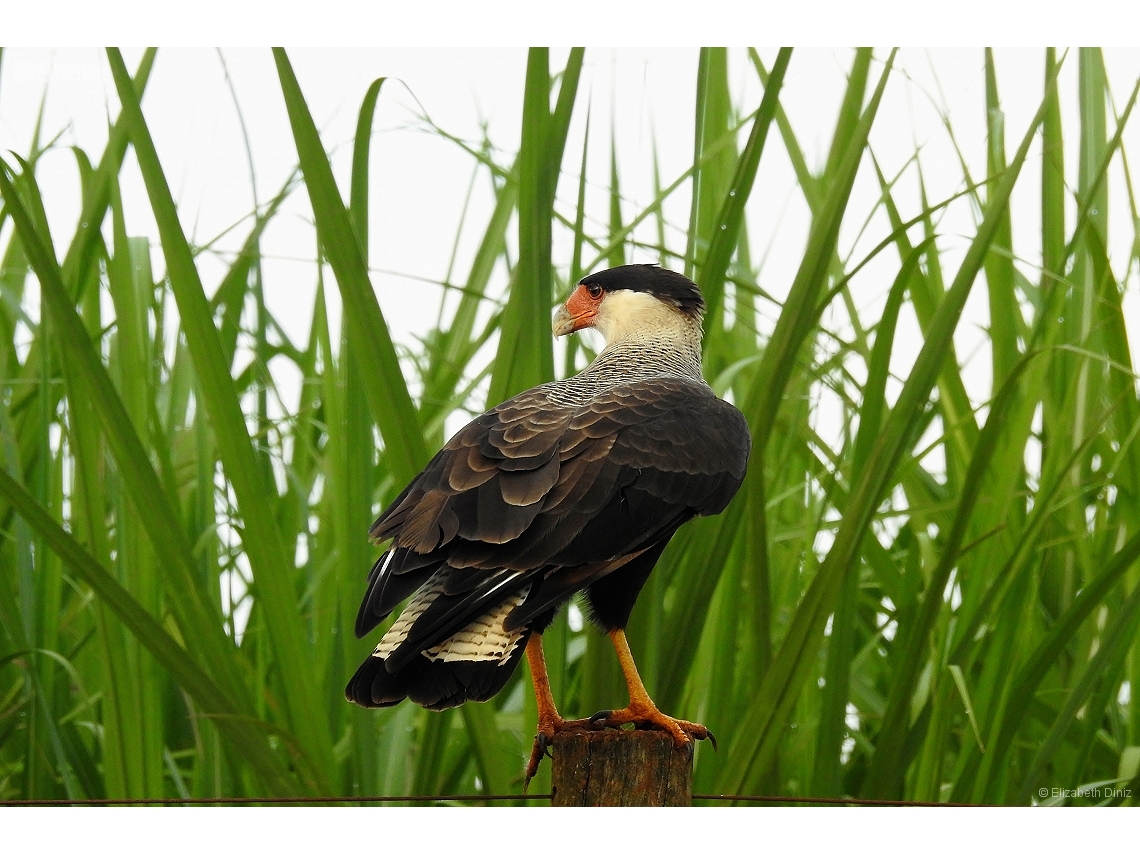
527	778
600	715
542	744
711	738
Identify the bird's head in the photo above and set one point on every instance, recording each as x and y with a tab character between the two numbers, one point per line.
635	297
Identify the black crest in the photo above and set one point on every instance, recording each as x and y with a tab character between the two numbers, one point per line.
665	285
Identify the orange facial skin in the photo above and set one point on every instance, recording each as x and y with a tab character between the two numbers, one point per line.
580	311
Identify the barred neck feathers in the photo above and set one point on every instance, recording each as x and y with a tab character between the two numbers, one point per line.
646	337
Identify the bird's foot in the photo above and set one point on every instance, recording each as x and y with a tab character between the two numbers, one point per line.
648	717
548	728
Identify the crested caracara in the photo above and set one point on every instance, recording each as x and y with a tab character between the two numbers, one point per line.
575	485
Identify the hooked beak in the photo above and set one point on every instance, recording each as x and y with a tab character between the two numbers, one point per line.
579	312
563	323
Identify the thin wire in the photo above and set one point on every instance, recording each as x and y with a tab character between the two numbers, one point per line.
263	800
305	800
822	800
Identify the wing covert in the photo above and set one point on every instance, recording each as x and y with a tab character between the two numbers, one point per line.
534	484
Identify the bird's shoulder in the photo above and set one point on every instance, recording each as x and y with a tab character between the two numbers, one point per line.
546	445
674	412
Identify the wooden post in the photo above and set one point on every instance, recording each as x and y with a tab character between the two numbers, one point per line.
639	768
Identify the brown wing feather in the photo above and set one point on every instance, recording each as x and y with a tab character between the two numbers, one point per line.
533	487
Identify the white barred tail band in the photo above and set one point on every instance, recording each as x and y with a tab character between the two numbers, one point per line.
482	640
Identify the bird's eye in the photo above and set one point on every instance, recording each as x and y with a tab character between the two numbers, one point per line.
594	290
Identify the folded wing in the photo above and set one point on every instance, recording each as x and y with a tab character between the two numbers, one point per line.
532	501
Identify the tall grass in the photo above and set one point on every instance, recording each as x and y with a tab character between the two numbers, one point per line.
924	594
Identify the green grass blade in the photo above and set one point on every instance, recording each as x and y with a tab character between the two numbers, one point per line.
460	341
229	299
802	306
525	355
884	777
711	123
729	222
1052	183
756	747
926	292
358	194
1004	314
264	547
1109	659
138	476
352	473
841	648
768	387
1030	675
371	342
244	737
617	253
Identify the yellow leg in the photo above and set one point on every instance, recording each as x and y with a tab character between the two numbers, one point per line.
642	712
547	712
549	721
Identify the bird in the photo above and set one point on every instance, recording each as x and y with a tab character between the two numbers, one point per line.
575	485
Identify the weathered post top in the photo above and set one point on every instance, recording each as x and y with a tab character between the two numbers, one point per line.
642	768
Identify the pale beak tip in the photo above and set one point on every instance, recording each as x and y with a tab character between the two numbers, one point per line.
563	323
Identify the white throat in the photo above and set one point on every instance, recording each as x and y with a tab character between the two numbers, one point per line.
636	325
